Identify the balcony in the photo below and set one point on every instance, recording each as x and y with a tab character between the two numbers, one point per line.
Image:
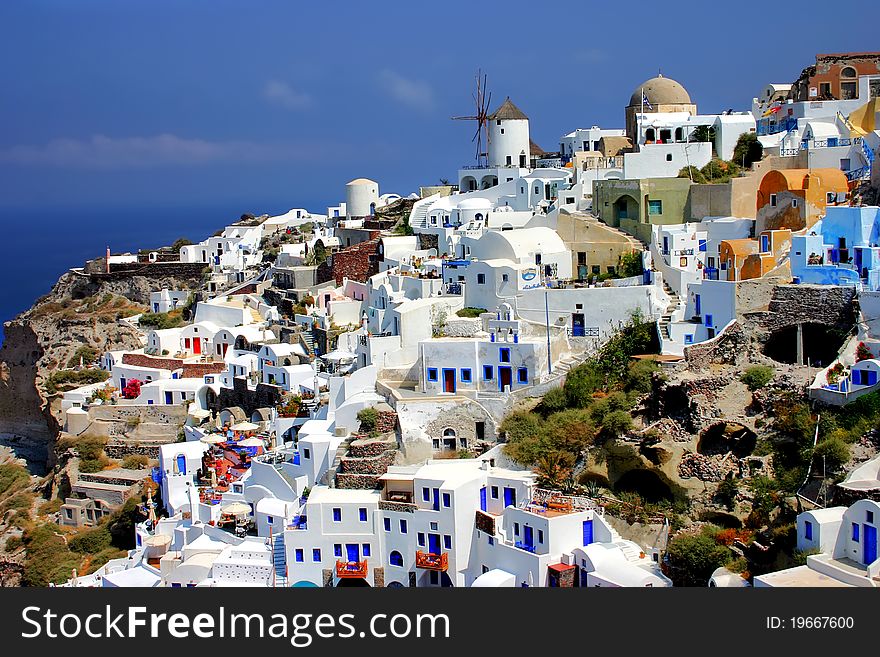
430	561
351	569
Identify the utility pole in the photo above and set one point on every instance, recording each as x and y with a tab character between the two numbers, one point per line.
547	319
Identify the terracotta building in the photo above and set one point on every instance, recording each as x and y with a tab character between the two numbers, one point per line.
835	76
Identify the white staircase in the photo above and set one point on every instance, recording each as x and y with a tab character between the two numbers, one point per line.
279	559
666	318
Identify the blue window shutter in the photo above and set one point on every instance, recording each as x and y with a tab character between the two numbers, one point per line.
362	513
365	549
447	499
387	523
299	555
316	554
426	494
855	532
447	542
402	526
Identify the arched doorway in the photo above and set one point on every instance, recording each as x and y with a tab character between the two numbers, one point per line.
820	344
626	207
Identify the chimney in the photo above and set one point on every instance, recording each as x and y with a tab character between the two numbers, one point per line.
107	261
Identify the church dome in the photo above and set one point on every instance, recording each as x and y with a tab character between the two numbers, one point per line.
660	91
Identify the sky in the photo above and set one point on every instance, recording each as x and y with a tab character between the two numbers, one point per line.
262	105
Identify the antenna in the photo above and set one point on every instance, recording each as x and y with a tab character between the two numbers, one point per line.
482	100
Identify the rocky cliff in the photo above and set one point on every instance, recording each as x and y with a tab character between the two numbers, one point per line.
81	310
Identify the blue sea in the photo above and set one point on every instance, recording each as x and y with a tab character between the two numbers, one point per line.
40	245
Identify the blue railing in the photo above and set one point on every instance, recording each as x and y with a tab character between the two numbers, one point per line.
785	125
523	546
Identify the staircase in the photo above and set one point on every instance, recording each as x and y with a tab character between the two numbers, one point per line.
419	216
341	451
308	342
666	318
255	316
279	559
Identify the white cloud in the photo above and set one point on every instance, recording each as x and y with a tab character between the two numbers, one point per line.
415	93
102	152
281	93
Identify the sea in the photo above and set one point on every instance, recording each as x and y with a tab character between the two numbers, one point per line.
41	244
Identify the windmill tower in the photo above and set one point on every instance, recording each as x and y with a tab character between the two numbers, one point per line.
482	97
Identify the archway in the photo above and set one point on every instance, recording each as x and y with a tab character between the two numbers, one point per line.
820	344
626	207
352	582
468	184
646	483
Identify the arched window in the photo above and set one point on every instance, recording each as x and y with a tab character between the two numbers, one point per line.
679	134
848	84
478	217
395	558
449	432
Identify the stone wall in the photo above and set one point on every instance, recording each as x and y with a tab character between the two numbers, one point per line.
729	347
121	450
373	465
357	481
264	396
357	262
485	523
803	304
199	370
427	242
143	360
120	271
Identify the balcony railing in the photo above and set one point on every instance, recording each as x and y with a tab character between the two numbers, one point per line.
431	561
351	569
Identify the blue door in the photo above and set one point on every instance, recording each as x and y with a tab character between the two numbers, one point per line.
509	497
869	536
181	463
122	384
352	551
870	377
434	543
765	243
483	505
528	537
588	532
436	505
697	305
665	245
168	399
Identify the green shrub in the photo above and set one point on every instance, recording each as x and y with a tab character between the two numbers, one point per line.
630	264
616	423
834	451
135	462
693	559
369	419
50	506
87	354
757	376
91	541
727	491
74	378
161	321
639	375
470	311
91	465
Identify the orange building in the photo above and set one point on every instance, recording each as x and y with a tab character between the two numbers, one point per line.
835	76
744	259
796	198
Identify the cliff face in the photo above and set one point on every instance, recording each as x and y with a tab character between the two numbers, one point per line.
78	311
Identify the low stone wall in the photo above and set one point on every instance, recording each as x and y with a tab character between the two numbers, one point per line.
117	481
357	481
399	507
374	465
121	450
485	523
370	448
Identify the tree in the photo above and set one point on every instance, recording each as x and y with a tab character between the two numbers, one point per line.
554	469
631	264
748	150
693	559
693	173
179	243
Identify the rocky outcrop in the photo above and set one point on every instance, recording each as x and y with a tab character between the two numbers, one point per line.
79	311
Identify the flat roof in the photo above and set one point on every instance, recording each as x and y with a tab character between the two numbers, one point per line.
801	576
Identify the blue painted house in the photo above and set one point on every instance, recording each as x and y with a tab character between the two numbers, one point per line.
843	248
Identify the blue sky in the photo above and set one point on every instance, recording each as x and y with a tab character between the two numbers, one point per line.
270	104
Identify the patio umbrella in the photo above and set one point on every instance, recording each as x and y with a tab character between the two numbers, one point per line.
250	442
236	509
245	426
338	355
199	413
213	439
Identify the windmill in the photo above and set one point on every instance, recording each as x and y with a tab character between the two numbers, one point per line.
482	99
